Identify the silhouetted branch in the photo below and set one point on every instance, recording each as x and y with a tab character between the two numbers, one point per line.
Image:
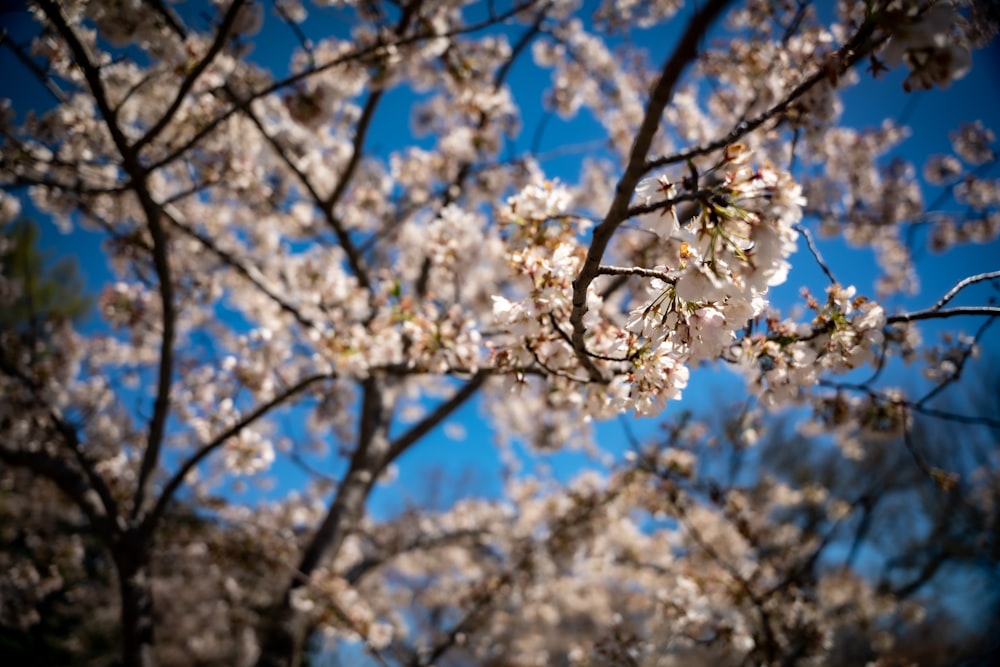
684	54
175	482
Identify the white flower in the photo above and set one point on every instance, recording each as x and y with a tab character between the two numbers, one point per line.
658	188
380	635
10	208
940	169
504	310
698	283
248	453
709	333
972	143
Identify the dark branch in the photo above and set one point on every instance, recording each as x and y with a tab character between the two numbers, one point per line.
175	482
188	83
846	57
354	55
399	446
936	314
962	284
685	53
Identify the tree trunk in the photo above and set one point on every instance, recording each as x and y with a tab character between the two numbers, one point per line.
284	634
282	645
136	608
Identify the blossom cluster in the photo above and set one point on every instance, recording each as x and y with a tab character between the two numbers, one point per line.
714	280
845	333
925	40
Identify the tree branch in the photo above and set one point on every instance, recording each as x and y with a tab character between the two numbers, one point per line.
401	444
169	17
846	57
935	314
188	83
685	53
356	54
175	482
606	270
70	481
962	284
137	176
285	629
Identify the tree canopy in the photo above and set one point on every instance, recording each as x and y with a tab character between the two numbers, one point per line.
329	228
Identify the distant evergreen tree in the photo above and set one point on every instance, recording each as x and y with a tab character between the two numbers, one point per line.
45	289
35	290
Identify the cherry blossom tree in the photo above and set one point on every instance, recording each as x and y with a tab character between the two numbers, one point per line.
287	289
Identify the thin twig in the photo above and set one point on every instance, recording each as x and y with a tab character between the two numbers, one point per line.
304	41
39	73
943	415
354	259
72	441
606	270
230	259
361	128
846	57
962	284
293	79
815	252
959	367
934	314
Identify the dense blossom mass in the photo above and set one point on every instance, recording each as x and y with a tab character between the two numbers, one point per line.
327	226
